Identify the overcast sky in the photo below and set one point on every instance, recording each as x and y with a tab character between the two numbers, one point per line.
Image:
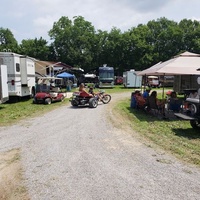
30	19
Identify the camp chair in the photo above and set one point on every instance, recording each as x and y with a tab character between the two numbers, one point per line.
152	106
174	105
140	102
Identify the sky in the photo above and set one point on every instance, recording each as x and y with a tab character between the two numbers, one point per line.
30	19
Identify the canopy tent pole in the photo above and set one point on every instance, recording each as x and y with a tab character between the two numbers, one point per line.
163	86
145	82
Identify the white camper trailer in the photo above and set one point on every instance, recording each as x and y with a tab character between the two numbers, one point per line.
21	74
131	79
3	84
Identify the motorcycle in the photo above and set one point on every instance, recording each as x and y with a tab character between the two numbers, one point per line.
78	100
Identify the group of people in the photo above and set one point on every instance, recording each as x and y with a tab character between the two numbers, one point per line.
148	100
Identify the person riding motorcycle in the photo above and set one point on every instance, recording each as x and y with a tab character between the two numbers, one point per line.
83	92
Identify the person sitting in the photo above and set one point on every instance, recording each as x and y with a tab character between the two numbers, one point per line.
83	92
140	101
133	99
146	93
168	94
173	102
154	104
91	90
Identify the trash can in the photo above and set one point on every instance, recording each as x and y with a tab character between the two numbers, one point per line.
68	88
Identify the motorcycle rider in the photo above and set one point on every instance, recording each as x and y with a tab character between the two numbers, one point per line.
83	92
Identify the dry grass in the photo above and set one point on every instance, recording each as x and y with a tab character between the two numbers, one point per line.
11	182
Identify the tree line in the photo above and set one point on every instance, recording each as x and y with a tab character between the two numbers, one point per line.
77	43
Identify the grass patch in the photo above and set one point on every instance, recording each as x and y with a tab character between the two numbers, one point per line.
175	136
11	113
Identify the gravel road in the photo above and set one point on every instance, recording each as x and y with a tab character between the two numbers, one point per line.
76	154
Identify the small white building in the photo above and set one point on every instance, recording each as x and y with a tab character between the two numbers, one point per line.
131	79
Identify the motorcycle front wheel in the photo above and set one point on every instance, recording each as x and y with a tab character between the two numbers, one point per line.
106	98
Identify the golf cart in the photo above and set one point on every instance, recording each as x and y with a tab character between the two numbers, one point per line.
192	110
48	90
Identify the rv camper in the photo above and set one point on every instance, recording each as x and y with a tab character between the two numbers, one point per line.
106	76
20	73
131	79
3	84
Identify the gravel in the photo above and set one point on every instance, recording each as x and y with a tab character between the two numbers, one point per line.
77	154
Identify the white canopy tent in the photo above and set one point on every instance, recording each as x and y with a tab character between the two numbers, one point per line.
184	64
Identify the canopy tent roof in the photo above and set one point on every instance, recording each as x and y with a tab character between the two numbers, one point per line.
65	75
184	64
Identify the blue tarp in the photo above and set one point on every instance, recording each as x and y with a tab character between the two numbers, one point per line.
65	75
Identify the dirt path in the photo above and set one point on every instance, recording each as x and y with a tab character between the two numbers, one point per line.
75	153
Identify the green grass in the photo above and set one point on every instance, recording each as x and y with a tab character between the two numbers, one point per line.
11	113
175	136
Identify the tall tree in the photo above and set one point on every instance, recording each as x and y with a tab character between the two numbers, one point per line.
165	38
139	49
72	41
37	48
7	41
190	35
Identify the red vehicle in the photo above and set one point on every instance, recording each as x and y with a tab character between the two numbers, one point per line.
46	93
119	80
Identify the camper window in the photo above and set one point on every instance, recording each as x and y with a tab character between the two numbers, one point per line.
17	67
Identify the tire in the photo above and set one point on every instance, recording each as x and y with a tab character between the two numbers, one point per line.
62	99
93	103
35	101
47	101
193	109
32	92
74	103
106	98
195	124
